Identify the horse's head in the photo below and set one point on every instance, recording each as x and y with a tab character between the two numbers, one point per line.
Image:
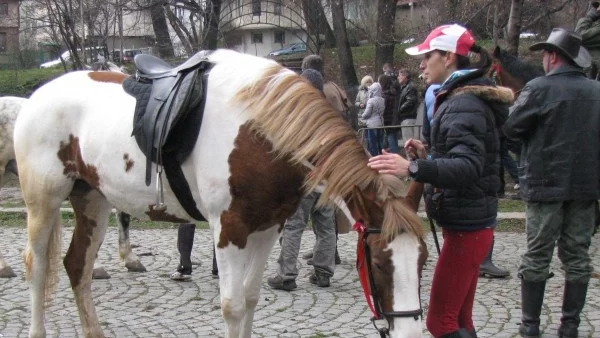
508	71
390	257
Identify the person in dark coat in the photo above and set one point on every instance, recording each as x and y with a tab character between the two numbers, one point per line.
407	101
557	119
460	171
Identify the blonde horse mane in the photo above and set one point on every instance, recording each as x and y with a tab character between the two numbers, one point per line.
299	122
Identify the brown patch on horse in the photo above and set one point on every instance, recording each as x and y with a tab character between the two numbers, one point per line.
108	77
74	166
163	216
74	260
128	162
265	188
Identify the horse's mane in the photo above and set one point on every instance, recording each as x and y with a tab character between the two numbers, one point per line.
516	67
300	123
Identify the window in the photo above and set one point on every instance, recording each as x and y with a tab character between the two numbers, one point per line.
279	37
277	8
256	7
3	9
256	37
2	42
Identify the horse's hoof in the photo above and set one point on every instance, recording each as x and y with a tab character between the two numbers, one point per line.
135	267
100	273
7	272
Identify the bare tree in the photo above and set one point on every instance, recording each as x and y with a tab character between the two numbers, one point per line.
384	43
347	72
196	23
161	30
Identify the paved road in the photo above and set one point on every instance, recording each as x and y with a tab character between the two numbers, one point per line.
151	305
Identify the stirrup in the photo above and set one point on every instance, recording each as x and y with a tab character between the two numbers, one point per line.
160	196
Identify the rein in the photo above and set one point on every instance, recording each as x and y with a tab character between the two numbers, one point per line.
363	263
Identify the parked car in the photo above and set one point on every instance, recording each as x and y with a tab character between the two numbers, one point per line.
66	56
293	48
128	55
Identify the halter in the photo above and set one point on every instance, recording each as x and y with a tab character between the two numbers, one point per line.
496	74
363	252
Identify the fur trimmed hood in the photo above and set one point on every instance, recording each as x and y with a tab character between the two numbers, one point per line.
499	94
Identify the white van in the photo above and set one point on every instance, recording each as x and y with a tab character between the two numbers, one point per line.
67	57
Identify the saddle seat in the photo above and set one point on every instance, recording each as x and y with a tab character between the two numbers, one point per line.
168	114
151	67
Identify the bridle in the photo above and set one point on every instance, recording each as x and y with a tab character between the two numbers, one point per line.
363	264
495	76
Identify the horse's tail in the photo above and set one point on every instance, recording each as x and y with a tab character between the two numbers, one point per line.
52	257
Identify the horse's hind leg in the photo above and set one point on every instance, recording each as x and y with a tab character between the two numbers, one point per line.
132	261
91	214
5	270
260	245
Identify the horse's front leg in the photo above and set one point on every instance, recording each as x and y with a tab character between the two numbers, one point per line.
91	212
240	274
132	261
260	245
5	270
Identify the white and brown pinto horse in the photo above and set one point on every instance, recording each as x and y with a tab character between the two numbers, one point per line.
263	126
9	110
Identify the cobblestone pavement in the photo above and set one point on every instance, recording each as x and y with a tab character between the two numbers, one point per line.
151	305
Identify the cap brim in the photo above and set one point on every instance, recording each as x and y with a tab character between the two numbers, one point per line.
417	51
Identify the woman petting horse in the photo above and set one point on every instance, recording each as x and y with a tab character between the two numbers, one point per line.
266	137
461	171
9	110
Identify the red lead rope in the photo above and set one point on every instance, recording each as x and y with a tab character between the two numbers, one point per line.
361	266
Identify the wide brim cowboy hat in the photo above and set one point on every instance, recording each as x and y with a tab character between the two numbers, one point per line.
567	43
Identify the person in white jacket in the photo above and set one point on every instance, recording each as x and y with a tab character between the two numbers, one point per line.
373	117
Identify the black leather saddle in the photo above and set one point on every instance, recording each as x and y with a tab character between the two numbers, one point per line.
168	114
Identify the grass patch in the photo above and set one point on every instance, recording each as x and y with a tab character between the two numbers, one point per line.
507	205
23	82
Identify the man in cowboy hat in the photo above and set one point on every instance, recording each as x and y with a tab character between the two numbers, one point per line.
557	118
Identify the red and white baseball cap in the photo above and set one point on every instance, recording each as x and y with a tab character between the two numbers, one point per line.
450	38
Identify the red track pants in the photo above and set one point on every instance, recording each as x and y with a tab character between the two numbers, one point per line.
455	280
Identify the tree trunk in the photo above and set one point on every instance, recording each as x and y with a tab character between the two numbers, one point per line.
161	30
211	24
514	27
496	23
347	72
316	24
384	42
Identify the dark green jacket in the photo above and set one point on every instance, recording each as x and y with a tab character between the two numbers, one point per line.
557	118
590	36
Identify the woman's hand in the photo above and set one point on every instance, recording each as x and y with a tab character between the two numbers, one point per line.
415	149
389	163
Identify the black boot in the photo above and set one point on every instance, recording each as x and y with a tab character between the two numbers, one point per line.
532	297
573	301
473	334
488	269
461	333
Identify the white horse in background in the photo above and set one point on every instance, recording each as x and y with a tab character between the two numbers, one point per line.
263	128
9	110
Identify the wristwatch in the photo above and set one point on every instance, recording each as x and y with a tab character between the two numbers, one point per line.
413	169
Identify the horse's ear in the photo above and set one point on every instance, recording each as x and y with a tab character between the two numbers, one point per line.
496	51
358	206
